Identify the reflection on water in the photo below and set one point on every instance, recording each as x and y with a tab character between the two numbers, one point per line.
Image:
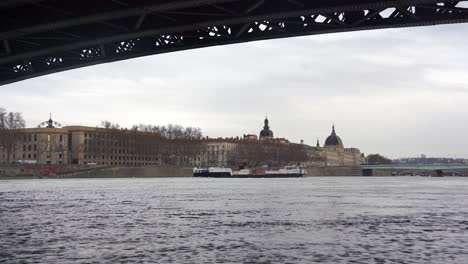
188	220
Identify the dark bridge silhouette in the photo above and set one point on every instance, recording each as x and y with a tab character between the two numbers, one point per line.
44	36
420	170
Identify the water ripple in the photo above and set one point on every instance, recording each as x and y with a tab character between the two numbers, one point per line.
186	220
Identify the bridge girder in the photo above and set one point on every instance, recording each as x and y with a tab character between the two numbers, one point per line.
414	172
39	37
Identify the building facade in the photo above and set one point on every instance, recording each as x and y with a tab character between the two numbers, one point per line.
35	145
221	152
96	146
42	145
335	154
83	145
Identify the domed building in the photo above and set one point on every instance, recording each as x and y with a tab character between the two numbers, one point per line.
335	154
266	133
333	141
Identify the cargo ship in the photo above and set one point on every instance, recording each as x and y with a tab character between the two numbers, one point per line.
215	172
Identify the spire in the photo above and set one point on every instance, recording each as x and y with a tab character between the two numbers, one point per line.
333	130
50	123
266	123
318	143
266	132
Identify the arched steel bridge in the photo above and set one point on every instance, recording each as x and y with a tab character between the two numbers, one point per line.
423	170
39	37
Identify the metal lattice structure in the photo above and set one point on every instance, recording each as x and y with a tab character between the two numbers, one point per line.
39	37
420	170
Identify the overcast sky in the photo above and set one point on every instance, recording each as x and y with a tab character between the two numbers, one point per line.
398	92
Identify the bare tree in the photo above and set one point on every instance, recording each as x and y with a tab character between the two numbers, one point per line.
11	124
3	114
378	159
109	125
146	143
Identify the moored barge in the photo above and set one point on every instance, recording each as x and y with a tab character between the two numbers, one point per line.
215	172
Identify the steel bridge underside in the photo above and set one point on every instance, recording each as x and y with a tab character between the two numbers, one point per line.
39	37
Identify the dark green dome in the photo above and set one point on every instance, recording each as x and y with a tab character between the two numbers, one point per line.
333	139
266	132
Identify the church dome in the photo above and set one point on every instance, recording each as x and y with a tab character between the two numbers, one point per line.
333	139
266	132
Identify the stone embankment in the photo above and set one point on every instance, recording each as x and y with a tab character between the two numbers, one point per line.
44	170
187	172
334	171
19	171
83	171
150	171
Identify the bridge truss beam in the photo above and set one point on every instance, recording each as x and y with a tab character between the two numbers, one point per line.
39	37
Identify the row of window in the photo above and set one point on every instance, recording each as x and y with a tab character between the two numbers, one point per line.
109	137
34	156
29	156
34	147
30	137
118	151
122	158
222	146
93	143
34	137
30	147
217	152
122	163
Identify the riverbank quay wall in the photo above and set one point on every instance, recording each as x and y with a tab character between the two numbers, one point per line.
334	171
19	171
125	172
43	170
90	171
175	171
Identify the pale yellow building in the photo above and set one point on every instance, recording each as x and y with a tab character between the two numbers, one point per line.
81	145
221	152
335	154
47	145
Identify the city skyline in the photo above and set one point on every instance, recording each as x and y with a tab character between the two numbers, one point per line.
390	97
318	143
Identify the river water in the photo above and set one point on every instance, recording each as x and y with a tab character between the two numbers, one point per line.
198	220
